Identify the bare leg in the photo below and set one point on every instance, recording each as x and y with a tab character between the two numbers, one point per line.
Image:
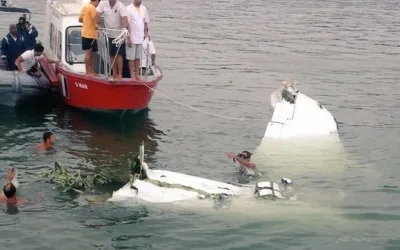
138	70
114	67
88	57
132	68
119	67
93	65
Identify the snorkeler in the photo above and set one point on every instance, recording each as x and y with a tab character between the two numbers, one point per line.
48	141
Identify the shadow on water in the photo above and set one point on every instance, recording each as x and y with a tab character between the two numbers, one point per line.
109	138
32	112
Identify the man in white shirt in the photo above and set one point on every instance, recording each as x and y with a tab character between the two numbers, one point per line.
115	19
28	61
138	19
150	51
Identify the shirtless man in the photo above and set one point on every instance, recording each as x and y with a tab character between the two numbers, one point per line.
246	166
9	194
48	141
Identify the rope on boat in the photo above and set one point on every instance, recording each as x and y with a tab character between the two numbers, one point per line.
119	40
202	111
101	38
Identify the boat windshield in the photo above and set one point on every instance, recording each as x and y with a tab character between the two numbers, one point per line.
74	52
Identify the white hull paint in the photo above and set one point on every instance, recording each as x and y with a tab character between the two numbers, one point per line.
303	118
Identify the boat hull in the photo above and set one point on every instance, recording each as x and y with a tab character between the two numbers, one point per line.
100	94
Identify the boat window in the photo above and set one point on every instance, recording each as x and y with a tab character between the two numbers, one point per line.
59	45
74	52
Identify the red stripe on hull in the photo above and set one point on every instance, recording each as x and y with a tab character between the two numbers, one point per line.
97	93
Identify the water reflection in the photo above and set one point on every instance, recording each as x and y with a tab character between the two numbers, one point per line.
83	139
108	141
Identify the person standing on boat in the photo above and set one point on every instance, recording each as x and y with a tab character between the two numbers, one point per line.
28	32
28	61
148	54
114	13
246	166
138	19
12	46
88	34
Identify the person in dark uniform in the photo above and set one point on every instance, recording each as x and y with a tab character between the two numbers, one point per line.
12	46
28	32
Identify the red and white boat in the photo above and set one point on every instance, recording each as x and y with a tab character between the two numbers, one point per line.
82	91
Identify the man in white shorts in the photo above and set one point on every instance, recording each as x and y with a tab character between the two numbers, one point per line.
28	61
114	13
138	19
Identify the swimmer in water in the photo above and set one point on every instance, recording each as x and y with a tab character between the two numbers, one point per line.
9	195
48	141
246	166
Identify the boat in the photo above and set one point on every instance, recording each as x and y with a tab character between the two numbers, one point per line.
296	115
162	186
18	88
99	94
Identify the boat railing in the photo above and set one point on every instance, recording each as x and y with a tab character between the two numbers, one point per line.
106	65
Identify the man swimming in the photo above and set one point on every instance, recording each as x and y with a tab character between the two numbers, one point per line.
48	141
10	191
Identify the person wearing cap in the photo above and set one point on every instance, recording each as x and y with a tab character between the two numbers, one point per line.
28	32
246	166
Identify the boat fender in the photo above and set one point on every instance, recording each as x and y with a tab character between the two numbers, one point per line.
268	190
16	85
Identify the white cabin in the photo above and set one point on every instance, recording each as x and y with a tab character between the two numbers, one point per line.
64	29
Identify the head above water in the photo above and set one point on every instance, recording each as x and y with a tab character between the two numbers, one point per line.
9	190
38	49
245	155
48	137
